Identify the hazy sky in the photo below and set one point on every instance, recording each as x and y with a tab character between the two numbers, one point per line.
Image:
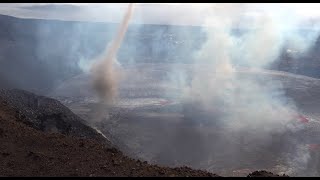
154	13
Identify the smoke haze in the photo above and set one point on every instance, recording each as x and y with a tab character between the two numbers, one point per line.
216	70
246	103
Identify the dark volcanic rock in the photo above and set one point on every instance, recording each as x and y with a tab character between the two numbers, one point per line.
264	174
47	114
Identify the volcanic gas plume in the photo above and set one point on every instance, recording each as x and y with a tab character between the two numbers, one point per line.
225	84
247	103
105	73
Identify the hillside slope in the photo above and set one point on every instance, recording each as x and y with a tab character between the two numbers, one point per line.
26	151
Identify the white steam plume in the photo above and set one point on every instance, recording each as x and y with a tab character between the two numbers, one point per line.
246	103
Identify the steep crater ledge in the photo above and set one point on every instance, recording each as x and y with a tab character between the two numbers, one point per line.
48	115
